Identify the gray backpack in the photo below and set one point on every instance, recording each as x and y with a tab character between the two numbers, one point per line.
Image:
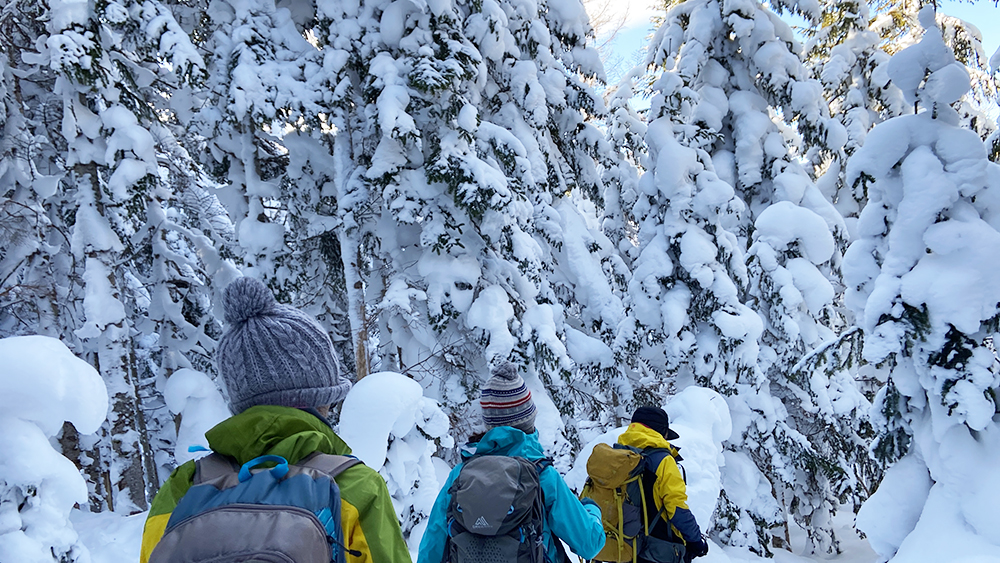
234	514
497	511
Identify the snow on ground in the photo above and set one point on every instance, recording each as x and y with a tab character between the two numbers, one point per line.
110	537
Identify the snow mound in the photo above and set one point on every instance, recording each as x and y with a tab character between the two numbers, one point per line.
44	383
393	428
195	397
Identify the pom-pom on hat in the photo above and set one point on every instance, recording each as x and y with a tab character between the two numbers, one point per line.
656	419
506	401
273	354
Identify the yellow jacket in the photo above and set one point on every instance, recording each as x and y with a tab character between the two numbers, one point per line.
669	490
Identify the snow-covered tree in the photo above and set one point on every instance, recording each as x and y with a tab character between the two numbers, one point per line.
741	102
921	281
625	132
44	386
469	182
100	269
847	58
107	161
263	82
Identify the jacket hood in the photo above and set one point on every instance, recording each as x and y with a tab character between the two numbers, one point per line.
641	436
506	440
266	429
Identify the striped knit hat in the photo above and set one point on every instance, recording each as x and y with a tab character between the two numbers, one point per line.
274	354
506	401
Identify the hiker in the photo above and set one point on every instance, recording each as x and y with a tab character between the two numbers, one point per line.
663	484
282	376
469	507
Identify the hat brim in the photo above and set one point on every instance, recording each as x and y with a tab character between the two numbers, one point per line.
671	435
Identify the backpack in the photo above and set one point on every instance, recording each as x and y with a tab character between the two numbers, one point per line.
497	511
238	514
615	483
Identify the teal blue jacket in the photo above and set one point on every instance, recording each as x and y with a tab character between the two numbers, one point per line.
566	517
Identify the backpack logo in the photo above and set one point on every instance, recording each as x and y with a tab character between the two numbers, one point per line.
481	523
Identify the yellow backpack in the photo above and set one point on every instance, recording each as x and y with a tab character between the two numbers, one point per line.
614	482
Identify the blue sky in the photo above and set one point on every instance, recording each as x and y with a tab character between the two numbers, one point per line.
984	14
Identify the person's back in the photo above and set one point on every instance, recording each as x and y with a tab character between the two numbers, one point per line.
509	414
281	373
664	486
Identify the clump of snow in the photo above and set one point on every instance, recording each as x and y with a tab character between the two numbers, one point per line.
491	312
196	398
783	223
99	303
928	71
701	418
43	385
902	494
747	487
392	427
393	22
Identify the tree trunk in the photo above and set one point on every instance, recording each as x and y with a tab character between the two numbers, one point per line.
350	246
119	446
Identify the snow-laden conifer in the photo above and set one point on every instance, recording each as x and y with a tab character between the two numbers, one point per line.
263	121
739	97
109	161
91	127
921	281
846	56
469	182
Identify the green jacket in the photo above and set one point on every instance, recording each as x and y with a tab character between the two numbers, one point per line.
369	519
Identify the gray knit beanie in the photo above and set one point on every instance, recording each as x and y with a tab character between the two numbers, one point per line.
506	400
275	354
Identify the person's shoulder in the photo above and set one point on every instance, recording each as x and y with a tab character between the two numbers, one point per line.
359	472
548	475
359	484
183	475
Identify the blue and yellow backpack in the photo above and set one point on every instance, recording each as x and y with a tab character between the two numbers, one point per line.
247	513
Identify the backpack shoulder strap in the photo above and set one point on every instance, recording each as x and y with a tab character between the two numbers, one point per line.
618	446
654	457
542	463
332	465
212	467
